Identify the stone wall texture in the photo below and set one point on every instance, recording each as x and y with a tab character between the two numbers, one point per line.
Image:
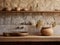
9	21
37	5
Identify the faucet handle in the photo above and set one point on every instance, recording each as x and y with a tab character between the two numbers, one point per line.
19	27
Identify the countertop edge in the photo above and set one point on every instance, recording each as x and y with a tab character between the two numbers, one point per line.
30	39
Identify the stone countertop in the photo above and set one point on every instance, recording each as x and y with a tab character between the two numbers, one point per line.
29	38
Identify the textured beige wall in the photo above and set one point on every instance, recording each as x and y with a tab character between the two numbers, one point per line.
8	22
37	5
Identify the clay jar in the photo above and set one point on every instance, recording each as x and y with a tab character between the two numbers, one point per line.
18	8
46	31
8	9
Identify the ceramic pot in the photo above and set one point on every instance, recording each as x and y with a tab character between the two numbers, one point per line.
47	31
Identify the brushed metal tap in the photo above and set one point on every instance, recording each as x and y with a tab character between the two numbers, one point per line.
19	27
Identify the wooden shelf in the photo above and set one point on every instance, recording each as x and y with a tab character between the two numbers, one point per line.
29	11
29	38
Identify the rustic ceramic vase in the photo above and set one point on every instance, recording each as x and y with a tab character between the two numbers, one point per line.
47	31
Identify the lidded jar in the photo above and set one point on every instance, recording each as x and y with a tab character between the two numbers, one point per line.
47	31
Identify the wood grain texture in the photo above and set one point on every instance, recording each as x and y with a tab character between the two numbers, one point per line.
30	38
